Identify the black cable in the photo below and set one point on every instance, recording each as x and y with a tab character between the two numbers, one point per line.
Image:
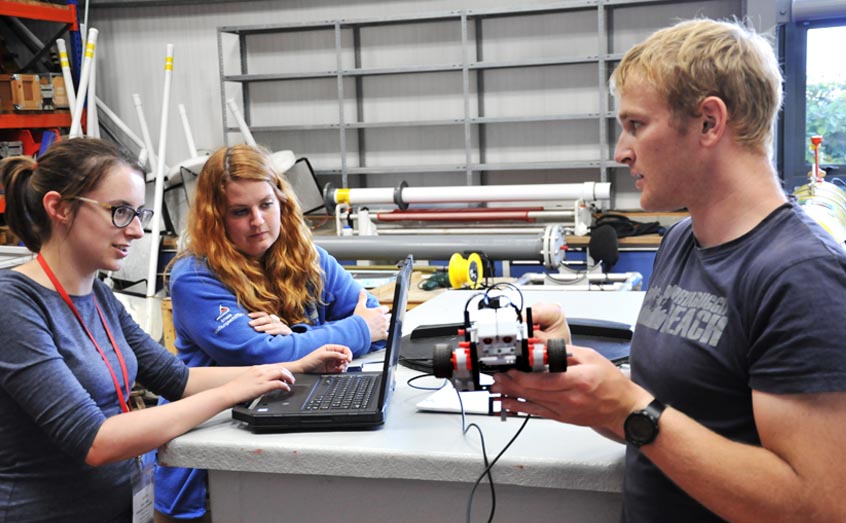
420	376
471	298
465	428
487	472
504	286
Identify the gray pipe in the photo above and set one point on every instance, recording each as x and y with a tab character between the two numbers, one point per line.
812	10
504	247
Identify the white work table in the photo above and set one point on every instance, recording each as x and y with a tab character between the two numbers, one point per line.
418	466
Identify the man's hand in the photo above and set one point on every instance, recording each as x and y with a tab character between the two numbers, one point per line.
553	323
592	393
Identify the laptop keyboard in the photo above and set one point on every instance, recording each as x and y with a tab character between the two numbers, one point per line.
343	392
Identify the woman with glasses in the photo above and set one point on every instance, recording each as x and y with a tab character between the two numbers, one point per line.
122	215
70	353
249	252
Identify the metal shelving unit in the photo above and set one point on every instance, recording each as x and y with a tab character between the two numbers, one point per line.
33	10
464	66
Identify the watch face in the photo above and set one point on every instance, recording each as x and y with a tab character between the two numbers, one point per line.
639	428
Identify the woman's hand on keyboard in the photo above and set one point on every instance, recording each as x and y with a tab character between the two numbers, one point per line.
328	358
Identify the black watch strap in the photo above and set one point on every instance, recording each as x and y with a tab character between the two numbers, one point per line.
655	409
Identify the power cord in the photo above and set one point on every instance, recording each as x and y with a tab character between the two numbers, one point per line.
488	466
421	376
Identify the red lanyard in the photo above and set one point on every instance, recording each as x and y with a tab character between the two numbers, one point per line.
61	290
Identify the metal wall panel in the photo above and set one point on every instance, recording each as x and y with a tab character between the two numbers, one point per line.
131	59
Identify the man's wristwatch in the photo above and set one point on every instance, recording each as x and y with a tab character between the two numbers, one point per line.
641	426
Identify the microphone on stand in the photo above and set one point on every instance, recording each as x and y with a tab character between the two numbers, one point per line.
603	247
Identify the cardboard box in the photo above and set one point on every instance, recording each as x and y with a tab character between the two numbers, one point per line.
20	92
53	92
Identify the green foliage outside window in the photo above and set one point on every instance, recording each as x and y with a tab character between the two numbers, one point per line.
826	116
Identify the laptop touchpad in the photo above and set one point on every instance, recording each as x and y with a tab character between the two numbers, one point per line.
279	396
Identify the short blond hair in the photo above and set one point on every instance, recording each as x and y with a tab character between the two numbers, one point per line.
698	58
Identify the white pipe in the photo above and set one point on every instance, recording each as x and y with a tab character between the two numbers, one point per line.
589	191
384	216
192	149
159	189
598	287
283	160
142	156
101	105
76	114
459	231
195	162
242	124
93	127
626	281
70	90
145	132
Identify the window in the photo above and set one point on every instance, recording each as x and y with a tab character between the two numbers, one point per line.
825	93
815	98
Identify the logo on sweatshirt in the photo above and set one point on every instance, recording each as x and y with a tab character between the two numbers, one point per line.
225	316
222	310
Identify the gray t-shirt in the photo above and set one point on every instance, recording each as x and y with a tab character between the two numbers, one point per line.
764	312
56	391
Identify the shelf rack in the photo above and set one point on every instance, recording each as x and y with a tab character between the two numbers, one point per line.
467	35
33	10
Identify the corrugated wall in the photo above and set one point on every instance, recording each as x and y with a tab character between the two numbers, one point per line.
131	54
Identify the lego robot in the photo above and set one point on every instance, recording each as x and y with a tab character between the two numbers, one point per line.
496	340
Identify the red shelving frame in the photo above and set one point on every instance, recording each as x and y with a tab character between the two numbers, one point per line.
64	14
40	11
34	120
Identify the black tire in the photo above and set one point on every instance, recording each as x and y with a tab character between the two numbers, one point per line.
442	361
556	352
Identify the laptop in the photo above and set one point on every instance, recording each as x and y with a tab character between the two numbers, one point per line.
345	401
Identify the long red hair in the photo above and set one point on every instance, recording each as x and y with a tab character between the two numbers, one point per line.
288	277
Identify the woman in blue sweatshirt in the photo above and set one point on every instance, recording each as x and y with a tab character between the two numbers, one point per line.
252	287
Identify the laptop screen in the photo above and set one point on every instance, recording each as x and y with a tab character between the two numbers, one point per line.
400	303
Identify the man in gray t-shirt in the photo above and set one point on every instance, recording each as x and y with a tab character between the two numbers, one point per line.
738	389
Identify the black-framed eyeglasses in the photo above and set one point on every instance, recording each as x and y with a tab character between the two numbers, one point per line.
122	215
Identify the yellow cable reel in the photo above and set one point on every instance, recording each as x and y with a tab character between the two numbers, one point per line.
469	271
